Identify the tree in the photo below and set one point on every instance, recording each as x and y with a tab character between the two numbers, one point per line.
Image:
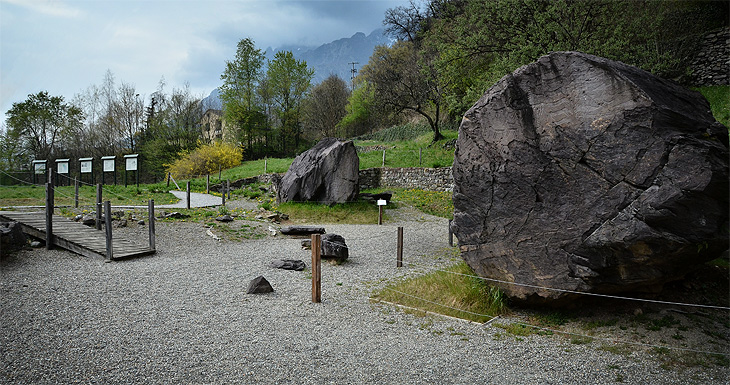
40	121
404	80
325	107
288	81
238	92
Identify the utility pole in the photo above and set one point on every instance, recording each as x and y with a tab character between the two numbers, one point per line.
353	71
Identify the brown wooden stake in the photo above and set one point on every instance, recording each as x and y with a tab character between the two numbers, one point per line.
151	211
76	193
108	229
49	216
207	184
399	258
228	188
168	178
383	159
451	235
187	196
316	268
98	207
380	215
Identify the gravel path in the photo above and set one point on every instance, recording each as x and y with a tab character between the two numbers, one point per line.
182	316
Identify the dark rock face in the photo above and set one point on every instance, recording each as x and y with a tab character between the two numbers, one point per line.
334	247
580	173
259	285
327	173
12	238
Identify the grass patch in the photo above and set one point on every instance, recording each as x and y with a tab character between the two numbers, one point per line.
418	152
438	203
359	212
719	98
64	195
455	291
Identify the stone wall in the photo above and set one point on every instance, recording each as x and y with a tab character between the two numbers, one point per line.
711	65
432	179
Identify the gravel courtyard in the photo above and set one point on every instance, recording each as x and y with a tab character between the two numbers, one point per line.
183	316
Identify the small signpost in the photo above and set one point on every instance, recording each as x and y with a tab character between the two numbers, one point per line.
86	167
108	164
62	169
381	204
131	164
39	168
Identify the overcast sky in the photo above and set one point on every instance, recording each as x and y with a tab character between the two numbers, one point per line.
64	46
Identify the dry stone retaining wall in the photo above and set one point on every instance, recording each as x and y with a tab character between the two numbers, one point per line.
711	65
433	179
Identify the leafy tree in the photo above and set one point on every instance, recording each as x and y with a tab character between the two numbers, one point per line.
40	121
238	92
404	80
206	159
288	81
325	107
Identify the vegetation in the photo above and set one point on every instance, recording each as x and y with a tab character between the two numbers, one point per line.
719	99
359	212
463	295
64	195
206	159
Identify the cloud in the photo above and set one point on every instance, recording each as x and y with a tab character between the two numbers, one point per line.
48	7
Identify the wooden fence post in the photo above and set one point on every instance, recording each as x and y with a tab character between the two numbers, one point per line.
451	235
399	257
187	195
228	188
207	184
108	229
49	216
98	207
316	268
151	219
383	159
266	163
420	156
76	193
169	174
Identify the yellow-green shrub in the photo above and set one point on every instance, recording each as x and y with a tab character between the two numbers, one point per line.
206	159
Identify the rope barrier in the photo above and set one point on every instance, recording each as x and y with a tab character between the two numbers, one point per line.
440	304
577	292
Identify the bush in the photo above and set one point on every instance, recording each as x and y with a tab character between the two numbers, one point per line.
206	159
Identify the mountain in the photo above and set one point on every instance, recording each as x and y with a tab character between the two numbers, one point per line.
331	58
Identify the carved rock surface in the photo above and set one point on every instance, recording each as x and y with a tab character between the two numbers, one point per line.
327	173
12	238
580	173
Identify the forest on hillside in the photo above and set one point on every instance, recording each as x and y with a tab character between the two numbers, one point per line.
446	54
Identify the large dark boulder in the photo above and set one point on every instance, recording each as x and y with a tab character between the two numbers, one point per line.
334	247
327	173
580	173
12	238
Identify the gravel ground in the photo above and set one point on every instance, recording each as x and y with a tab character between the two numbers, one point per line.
183	316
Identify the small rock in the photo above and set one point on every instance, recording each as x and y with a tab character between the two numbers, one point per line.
333	246
224	218
259	285
272	230
273	217
88	220
302	230
140	222
284	217
119	223
36	244
638	312
289	264
78	218
306	244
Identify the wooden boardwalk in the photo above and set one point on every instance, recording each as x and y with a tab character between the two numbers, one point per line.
76	237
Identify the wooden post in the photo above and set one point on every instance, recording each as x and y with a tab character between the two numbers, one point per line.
76	193
169	174
49	216
151	211
98	207
399	257
380	215
223	195
219	173
420	156
316	268
187	196
383	159
266	164
207	184
228	188
451	235
108	229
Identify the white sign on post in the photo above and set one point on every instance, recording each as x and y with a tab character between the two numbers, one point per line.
62	168
108	165
40	168
131	164
85	165
382	202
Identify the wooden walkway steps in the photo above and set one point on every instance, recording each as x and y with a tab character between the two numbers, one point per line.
76	237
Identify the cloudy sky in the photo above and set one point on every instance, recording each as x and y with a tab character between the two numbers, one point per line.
64	46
